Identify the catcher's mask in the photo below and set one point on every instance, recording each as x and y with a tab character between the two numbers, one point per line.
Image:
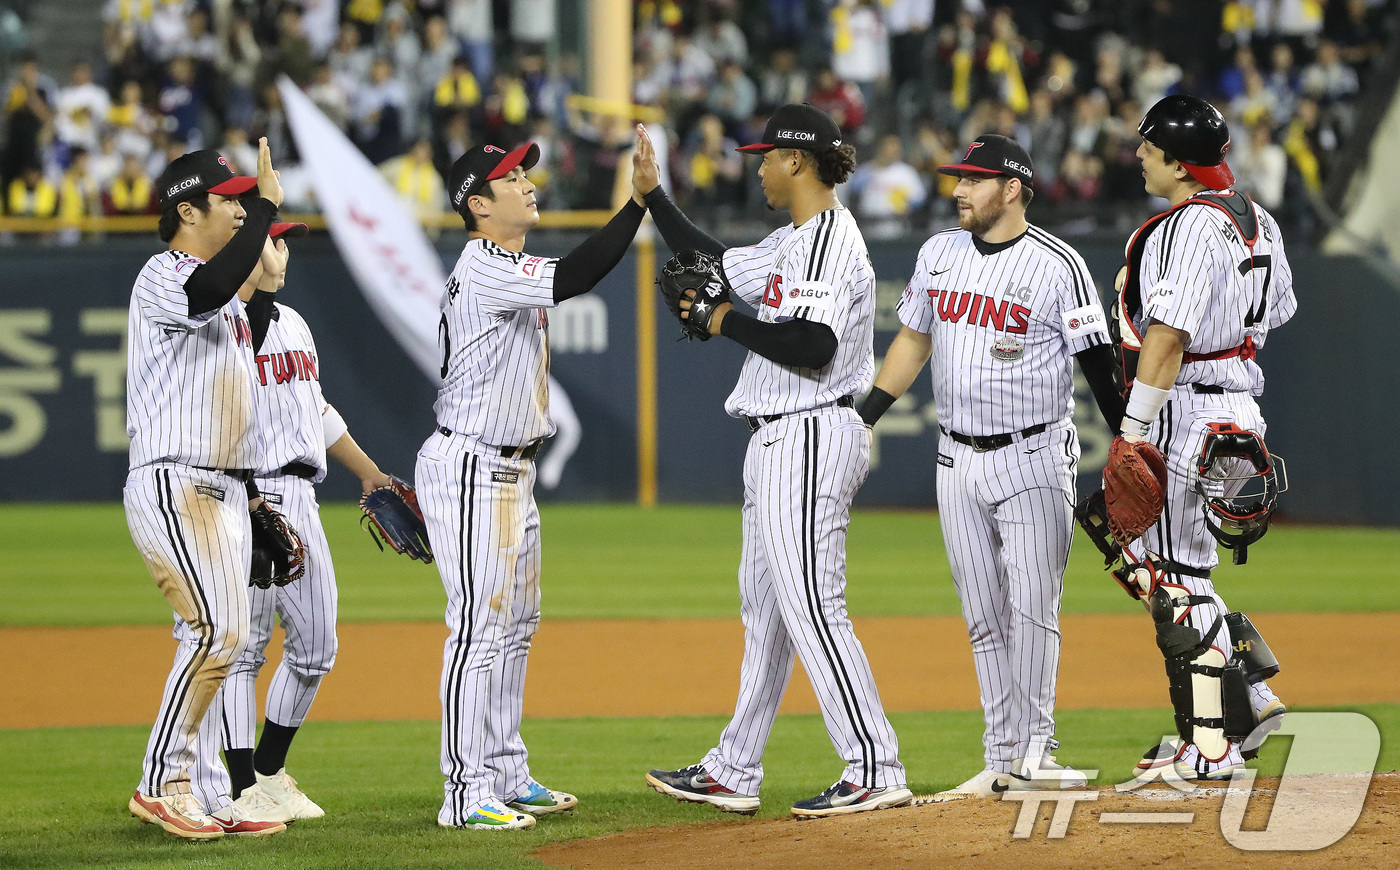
1238	514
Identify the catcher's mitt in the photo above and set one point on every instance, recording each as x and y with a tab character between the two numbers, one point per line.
1134	488
278	554
392	517
700	272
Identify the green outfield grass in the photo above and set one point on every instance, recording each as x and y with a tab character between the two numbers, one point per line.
75	565
63	796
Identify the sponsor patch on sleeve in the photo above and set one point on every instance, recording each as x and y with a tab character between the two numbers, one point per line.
815	295
1085	320
531	267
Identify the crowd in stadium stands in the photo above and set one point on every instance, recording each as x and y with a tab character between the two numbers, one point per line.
414	84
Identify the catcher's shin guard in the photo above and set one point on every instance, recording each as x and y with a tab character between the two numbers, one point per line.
1250	649
1194	672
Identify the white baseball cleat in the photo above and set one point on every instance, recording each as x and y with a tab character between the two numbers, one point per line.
180	814
491	816
987	784
1175	761
1043	772
283	789
538	800
253	814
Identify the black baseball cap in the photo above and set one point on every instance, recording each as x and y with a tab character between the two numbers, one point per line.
798	125
994	155
189	175
485	163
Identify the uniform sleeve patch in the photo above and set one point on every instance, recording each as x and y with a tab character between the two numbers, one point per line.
816	295
531	267
1084	320
186	265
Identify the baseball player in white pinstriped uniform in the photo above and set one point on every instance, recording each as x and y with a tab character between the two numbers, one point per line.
813	288
1204	284
476	473
193	444
297	425
1000	306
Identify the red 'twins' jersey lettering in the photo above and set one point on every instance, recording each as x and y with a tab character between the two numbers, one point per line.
293	364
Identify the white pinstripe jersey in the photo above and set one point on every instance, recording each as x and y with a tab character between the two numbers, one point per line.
1199	276
494	339
1004	327
821	272
189	380
287	396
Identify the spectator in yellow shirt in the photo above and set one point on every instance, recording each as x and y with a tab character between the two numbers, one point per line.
31	194
130	191
417	181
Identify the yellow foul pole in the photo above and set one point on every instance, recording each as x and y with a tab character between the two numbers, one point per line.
610	85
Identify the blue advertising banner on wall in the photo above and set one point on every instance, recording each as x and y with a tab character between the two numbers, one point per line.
62	385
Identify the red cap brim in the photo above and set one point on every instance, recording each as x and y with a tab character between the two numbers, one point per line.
756	148
235	185
525	156
284	230
1214	177
959	168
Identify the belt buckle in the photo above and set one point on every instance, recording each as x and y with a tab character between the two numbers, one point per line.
981	444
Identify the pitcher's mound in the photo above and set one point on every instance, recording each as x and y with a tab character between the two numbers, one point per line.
1143	828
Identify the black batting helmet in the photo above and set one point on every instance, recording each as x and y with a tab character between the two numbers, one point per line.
1194	133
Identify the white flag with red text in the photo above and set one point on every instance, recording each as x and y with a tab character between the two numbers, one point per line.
380	240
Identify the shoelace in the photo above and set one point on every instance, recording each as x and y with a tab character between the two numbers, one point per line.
187	806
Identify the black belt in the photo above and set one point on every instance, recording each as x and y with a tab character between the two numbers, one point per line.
525	452
299	469
755	422
1207	389
243	474
984	443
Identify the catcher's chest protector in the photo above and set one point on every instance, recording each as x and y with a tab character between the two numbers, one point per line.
1126	340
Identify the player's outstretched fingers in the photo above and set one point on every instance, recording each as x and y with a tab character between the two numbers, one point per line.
269	185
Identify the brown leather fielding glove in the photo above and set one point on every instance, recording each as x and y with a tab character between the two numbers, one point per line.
1134	488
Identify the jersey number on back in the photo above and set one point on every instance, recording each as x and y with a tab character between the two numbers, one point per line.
1247	265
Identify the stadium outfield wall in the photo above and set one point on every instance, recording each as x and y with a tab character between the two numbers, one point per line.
62	384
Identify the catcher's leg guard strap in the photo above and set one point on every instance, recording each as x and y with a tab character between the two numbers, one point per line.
1194	672
1250	649
1239	715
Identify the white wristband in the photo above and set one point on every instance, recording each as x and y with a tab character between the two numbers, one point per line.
332	424
1144	405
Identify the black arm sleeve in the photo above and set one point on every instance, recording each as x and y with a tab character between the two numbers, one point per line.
803	344
260	316
1098	363
680	234
583	267
875	405
213	283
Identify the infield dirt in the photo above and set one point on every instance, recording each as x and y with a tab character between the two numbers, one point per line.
113	676
976	834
